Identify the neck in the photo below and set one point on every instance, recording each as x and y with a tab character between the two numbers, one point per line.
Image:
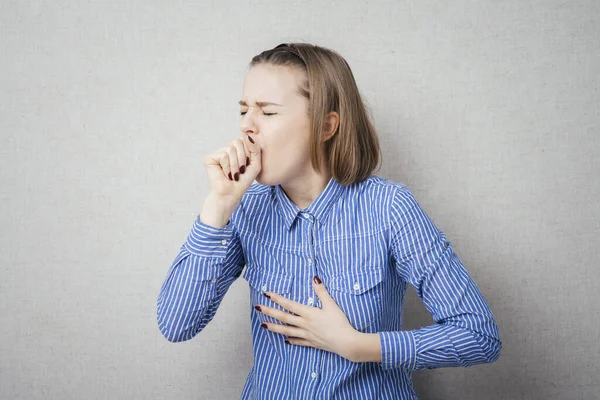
304	190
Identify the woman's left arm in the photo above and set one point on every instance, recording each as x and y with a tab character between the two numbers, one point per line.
465	332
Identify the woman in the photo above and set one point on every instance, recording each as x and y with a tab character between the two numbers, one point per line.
329	248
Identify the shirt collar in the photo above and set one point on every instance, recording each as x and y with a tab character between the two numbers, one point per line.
320	207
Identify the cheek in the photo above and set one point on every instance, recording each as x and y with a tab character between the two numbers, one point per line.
286	146
286	152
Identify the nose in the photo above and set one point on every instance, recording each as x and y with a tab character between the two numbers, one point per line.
247	124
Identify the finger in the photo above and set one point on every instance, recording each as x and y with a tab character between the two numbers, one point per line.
289	305
215	158
298	342
247	151
224	162
253	147
321	291
241	154
233	163
283	316
285	330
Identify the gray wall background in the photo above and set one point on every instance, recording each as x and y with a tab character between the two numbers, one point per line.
487	110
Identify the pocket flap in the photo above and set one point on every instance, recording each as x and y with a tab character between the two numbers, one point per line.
264	281
356	282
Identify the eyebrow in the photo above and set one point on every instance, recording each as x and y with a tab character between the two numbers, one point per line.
260	103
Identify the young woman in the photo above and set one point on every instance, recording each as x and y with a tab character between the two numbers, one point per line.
329	248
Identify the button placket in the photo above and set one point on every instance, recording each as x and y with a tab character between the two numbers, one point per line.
311	260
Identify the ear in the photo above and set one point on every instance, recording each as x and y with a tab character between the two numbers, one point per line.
331	123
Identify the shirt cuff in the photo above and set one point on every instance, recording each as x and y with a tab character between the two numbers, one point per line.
207	241
398	349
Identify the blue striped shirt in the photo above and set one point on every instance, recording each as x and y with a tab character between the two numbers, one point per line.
366	242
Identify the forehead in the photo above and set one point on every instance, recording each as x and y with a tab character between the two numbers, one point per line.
265	82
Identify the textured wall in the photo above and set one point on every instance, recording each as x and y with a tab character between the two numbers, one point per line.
487	110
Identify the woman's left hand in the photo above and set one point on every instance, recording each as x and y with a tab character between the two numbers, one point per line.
325	328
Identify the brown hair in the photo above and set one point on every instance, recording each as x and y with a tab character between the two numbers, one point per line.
353	152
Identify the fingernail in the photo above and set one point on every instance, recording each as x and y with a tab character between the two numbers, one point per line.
250	139
230	178
247	160
243	169
317	280
258	308
237	176
264	325
267	296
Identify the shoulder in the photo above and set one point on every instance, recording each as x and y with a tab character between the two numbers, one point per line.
392	202
385	191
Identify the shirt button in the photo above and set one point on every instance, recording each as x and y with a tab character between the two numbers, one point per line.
356	286
223	242
213	280
310	300
264	288
310	260
314	375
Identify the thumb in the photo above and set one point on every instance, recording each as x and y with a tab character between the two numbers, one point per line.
254	150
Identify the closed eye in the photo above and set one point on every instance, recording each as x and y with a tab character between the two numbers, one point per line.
244	113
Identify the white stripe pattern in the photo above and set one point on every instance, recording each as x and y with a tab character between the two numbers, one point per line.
366	242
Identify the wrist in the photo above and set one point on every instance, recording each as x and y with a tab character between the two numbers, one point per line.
219	202
364	347
216	212
354	347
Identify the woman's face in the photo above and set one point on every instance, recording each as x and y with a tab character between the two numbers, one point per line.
282	129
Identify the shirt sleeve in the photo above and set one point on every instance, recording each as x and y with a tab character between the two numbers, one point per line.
465	332
209	261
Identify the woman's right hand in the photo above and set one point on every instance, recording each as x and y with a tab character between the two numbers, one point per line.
241	159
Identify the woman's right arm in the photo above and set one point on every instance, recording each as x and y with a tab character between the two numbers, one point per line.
209	261
212	256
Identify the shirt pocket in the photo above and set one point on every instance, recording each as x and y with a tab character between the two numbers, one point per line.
261	281
358	294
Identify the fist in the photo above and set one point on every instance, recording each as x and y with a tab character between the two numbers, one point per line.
232	169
